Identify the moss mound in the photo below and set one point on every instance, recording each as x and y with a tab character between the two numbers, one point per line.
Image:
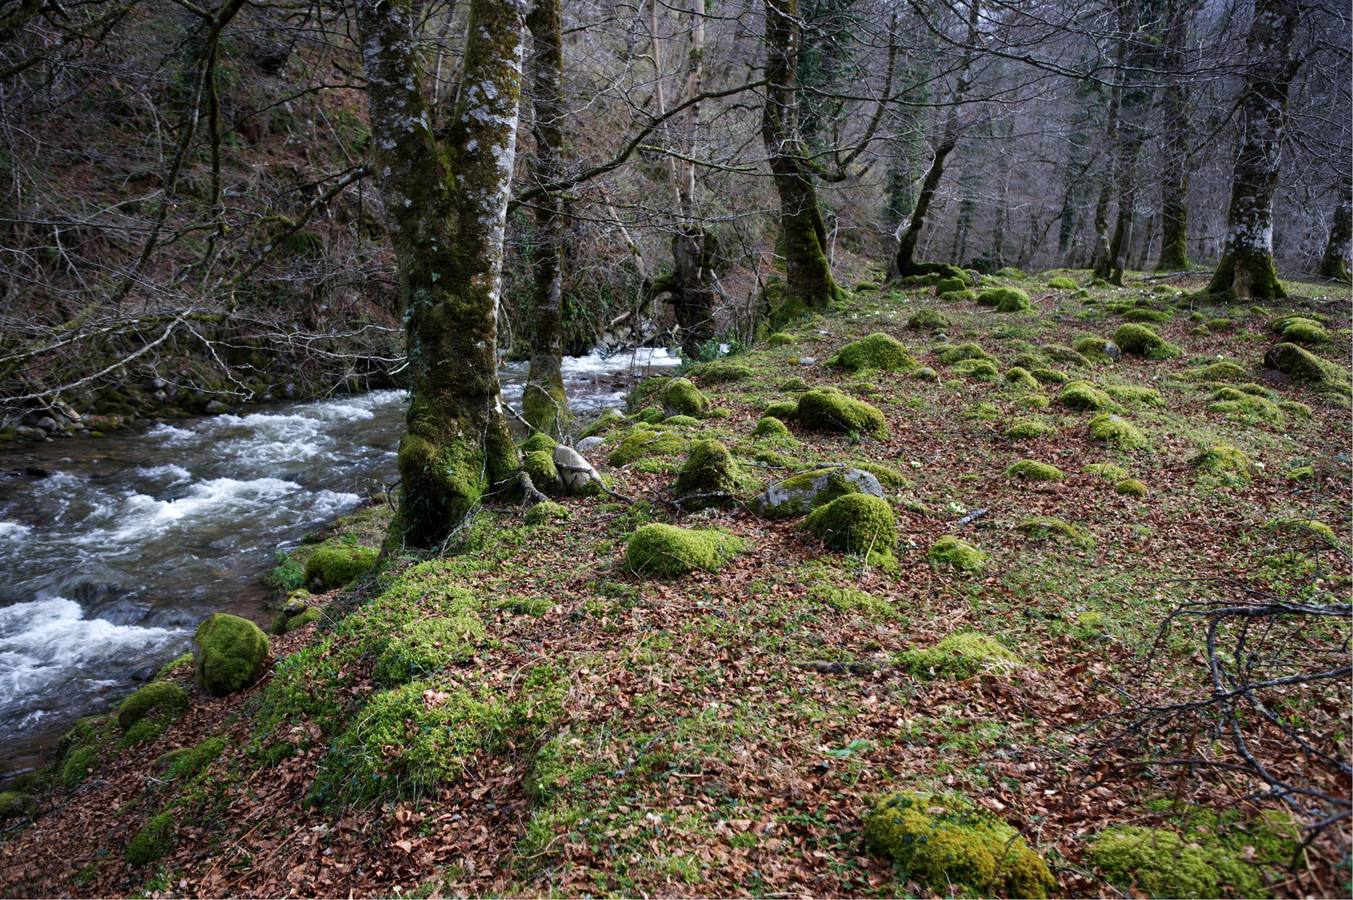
1049	528
1225	463
1032	470
1218	371
966	295
155	839
1021	379
1024	429
1146	314
543	513
1130	487
1050	376
1301	364
801	494
956	554
667	551
1142	340
1004	299
980	369
781	339
538	441
603	423
948	354
722	372
962	654
928	320
1062	283
785	410
1094	349
539	464
710	476
1132	393
951	847
425	647
953	283
16	805
1085	397
1117	432
1299	330
163	698
646	443
877	351
230	654
680	397
334	565
188	762
1158	862
771	427
827	409
856	523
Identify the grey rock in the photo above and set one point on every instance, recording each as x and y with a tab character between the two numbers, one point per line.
808	361
47	423
801	494
215	406
576	473
28	431
589	443
294	606
1111	350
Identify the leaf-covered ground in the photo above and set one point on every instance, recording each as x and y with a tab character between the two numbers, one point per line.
728	732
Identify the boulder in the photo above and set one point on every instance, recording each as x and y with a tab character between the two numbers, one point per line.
231	654
575	473
801	494
589	443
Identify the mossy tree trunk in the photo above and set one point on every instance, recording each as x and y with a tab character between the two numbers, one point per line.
904	261
906	155
1099	260
446	201
1174	185
1334	263
803	235
1246	270
544	403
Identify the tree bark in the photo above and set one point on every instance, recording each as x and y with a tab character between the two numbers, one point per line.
808	276
544	403
1246	270
1334	264
446	202
1174	185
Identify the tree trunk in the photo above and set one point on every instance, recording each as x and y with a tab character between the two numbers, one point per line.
808	276
1334	264
1246	270
1100	260
544	403
446	200
1174	185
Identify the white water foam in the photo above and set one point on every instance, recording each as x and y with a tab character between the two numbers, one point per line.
142	515
13	532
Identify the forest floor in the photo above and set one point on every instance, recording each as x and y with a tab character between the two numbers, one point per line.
592	731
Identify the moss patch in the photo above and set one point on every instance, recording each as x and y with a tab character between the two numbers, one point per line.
667	551
1117	432
957	554
1142	340
1301	364
1032	470
334	564
1162	863
155	839
1049	528
827	409
877	351
1085	397
856	523
962	654
1224	463
709	477
681	397
646	443
161	698
1024	429
231	654
543	513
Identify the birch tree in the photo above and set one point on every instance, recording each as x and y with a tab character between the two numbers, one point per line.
446	199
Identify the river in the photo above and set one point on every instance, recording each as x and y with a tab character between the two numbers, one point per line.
113	549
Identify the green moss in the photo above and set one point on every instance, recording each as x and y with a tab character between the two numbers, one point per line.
1129	487
424	647
1021	379
546	512
962	654
538	441
1142	340
956	554
539	465
16	805
877	351
1246	408
1224	463
784	410
849	599
709	477
1004	299
887	475
603	423
667	551
928	320
1048	528
925	373
856	523
827	409
1158	862
722	372
182	661
680	397
1067	356
1050	376
1117	432
1224	370
948	354
769	426
1107	471
1024	429
646	443
1085	397
1301	364
162	698
985	412
1308	528
189	762
1032	470
407	741
980	369
967	295
1299	330
954	283
333	565
231	654
782	339
1062	283
1146	314
155	839
1131	393
944	843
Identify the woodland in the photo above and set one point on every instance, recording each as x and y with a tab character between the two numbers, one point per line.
989	534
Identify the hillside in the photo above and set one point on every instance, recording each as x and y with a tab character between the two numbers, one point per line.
543	711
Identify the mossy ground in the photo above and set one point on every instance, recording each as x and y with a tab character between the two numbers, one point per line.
707	733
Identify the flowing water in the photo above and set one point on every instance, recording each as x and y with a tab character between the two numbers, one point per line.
113	549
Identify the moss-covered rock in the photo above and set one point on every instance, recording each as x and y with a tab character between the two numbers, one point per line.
952	283
877	351
784	410
1096	349
1050	528
1134	393
1085	397
1130	487
334	564
953	553
709	477
800	494
1062	283
230	654
946	844
1299	330
925	373
1224	463
1107	471
827	409
155	839
1157	862
928	320
1049	376
666	551
1117	432
771	427
546	512
966	295
681	397
16	805
962	654
980	369
1146	314
645	443
1224	370
948	354
603	423
1301	364
722	371
539	465
856	523
1021	379
161	698
782	339
537	441
1067	356
1032	470
1024	429
1004	299
1141	340
1312	530
1248	408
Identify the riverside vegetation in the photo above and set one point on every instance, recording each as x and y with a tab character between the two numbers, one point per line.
888	689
